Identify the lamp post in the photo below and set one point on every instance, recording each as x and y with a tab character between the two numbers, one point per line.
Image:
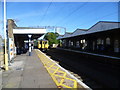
30	44
5	37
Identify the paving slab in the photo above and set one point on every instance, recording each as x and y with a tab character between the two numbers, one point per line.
27	72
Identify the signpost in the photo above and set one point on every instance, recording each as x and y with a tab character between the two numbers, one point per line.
11	50
30	44
6	55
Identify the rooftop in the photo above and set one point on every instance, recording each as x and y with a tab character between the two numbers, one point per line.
98	27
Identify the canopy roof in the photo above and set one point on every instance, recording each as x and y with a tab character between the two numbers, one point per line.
98	27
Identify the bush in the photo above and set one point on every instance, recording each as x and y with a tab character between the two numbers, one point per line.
51	37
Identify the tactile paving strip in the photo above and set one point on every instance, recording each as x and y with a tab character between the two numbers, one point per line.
60	77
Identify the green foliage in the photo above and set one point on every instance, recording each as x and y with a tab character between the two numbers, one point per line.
35	43
51	37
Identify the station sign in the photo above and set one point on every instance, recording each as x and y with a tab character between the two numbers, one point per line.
11	49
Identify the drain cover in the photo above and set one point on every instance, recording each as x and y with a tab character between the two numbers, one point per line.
19	68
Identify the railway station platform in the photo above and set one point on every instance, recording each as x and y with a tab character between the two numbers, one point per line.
27	72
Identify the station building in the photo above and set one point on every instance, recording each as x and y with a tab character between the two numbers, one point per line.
103	37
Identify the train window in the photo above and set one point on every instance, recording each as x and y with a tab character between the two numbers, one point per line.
108	41
40	42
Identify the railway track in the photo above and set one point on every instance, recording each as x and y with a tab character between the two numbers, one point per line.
93	73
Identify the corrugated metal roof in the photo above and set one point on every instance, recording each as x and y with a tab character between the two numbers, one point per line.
98	27
78	32
103	26
59	36
67	34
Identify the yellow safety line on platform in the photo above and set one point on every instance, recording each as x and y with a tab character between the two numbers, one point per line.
54	72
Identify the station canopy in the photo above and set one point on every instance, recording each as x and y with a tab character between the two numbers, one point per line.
98	27
23	32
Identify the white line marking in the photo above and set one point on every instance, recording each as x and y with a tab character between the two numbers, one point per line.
80	82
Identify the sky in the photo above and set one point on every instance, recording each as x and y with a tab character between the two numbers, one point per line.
71	15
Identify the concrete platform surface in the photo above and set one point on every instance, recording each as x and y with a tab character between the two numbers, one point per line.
27	72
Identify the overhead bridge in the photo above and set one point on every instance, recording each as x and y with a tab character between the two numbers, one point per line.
18	37
21	35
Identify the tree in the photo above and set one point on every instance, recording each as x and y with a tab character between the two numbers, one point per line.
51	37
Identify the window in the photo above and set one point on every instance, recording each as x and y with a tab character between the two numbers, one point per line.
80	41
77	43
102	42
83	40
93	45
46	42
71	43
108	41
99	41
116	46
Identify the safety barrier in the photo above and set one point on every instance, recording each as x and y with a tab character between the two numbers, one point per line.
59	76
